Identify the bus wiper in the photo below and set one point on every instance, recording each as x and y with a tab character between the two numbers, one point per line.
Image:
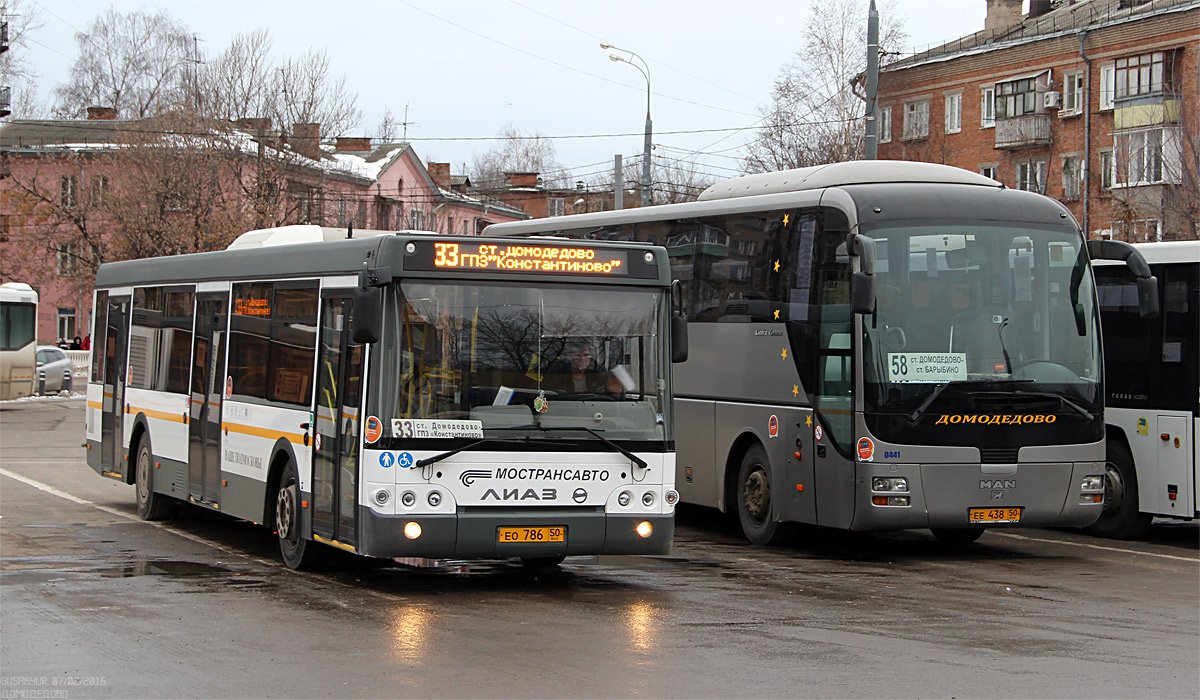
608	443
1050	395
920	410
469	446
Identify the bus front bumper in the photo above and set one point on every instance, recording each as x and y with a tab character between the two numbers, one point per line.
476	534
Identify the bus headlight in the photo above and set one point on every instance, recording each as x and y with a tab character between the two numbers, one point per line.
672	497
408	498
624	499
412	530
1092	483
648	499
886	484
644	529
381	497
434	498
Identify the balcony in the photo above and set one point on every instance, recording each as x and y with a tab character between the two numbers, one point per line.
1025	131
1139	111
5	101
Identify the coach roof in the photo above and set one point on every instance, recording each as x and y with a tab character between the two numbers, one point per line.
859	172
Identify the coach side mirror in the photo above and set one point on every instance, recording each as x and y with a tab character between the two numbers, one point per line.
679	337
862	282
1147	284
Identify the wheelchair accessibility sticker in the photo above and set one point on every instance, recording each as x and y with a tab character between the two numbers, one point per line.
405	460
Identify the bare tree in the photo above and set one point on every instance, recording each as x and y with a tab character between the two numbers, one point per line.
305	91
16	70
388	129
238	82
815	116
517	152
136	63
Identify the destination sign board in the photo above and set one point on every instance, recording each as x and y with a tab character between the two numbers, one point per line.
522	256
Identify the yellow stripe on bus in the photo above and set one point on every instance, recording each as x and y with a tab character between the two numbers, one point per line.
296	438
96	404
161	415
335	543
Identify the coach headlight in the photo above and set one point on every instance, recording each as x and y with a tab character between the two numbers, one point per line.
624	498
1092	483
412	530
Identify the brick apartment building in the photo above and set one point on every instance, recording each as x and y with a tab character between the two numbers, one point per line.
59	179
1092	102
528	192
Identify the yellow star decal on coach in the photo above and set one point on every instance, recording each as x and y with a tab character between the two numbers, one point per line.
785	219
809	416
784	354
796	392
777	266
776	314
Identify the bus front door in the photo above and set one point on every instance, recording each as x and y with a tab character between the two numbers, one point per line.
112	421
204	419
336	446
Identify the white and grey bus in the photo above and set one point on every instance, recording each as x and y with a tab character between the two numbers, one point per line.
401	395
880	345
1152	414
18	340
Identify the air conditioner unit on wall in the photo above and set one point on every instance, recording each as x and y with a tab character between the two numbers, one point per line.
1052	100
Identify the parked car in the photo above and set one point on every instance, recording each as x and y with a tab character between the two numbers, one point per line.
54	370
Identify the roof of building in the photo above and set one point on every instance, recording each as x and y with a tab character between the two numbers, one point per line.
1065	18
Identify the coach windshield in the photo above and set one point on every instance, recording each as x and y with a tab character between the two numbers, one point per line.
459	359
971	311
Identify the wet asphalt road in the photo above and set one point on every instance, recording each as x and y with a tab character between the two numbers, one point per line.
96	603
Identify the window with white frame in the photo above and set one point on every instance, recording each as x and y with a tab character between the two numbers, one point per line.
1073	96
1147	157
554	206
885	124
416	219
65	259
68	191
1107	172
916	120
954	113
66	323
1139	230
341	210
987	107
989	171
1031	176
1072	177
99	191
1108	76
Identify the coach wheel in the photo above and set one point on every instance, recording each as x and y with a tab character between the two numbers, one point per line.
150	505
1120	518
754	501
297	553
957	536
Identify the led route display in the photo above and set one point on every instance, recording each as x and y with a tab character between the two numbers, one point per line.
527	257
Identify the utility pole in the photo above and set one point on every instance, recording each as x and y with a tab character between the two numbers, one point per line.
618	182
872	121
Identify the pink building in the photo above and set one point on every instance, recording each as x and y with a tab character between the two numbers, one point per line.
59	181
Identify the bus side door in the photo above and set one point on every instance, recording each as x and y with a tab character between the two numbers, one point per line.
116	356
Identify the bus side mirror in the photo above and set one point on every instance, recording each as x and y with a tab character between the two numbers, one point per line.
367	318
1147	284
862	282
679	337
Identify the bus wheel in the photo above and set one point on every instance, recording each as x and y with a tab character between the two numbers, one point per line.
1120	518
754	501
957	536
150	505
297	553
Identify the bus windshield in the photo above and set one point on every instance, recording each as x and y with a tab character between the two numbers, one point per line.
521	360
967	309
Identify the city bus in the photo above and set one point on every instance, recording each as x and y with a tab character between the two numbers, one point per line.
1152	416
880	345
18	340
395	394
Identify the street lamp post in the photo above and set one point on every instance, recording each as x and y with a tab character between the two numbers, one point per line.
644	69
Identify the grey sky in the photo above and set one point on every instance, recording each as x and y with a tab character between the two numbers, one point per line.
468	68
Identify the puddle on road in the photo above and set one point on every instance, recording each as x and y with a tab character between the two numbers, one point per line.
146	567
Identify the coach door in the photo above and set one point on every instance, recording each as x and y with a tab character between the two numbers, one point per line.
204	424
336	445
116	354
